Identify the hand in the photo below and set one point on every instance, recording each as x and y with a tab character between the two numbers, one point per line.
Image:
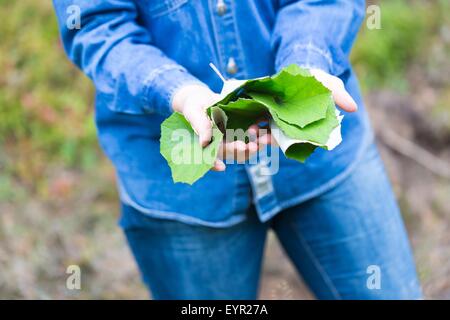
192	101
341	97
241	151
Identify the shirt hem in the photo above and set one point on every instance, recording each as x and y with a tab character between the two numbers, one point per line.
167	215
262	216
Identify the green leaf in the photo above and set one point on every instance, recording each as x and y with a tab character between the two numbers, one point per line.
299	105
295	99
300	151
296	70
317	132
219	118
243	113
181	148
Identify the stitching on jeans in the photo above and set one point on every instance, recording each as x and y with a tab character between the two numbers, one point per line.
317	264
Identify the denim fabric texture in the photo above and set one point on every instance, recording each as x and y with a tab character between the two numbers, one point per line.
138	53
344	243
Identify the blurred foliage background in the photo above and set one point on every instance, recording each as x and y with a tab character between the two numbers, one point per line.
58	205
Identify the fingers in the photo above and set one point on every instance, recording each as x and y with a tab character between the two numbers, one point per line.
219	166
265	140
252	148
200	123
253	132
238	150
343	100
234	150
192	101
341	97
260	135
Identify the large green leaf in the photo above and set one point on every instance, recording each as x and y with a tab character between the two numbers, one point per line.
242	113
317	132
294	95
181	148
298	104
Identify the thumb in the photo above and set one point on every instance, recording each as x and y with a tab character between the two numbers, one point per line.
201	124
344	100
340	95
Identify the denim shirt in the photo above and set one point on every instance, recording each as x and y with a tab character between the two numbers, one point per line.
138	53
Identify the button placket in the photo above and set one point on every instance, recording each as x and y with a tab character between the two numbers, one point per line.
262	182
226	39
232	68
221	7
232	64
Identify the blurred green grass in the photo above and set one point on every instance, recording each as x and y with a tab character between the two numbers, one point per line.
45	103
383	58
57	201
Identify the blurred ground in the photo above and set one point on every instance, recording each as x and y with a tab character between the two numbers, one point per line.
58	205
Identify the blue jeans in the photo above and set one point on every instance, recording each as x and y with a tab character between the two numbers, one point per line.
348	243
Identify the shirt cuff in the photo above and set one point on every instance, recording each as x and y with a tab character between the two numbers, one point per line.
161	85
311	56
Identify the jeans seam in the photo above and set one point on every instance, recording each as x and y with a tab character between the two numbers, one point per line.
316	263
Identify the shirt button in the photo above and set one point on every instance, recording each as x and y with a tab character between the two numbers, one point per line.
232	66
221	8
